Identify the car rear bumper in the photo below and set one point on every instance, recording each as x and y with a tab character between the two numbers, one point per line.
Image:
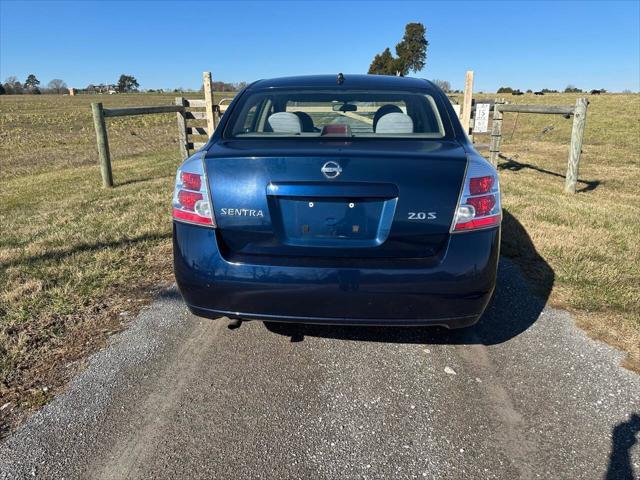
452	291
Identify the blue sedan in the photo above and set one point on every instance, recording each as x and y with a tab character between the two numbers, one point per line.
332	199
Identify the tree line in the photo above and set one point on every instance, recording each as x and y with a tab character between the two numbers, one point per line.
125	84
31	85
568	89
411	56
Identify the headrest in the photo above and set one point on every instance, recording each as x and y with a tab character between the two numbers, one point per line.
382	111
305	120
395	123
285	122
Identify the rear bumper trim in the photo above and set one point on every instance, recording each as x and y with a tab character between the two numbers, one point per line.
451	322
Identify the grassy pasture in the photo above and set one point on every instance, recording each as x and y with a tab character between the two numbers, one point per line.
48	132
76	260
590	240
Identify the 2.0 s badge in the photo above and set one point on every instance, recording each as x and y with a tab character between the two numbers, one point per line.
422	215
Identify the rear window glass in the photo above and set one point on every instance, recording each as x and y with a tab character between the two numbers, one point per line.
335	114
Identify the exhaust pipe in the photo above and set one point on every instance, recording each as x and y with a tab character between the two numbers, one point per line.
234	323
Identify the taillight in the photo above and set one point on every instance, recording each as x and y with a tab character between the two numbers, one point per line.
188	200
191	198
480	185
192	181
479	204
483	205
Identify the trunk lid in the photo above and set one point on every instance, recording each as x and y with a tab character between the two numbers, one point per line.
384	198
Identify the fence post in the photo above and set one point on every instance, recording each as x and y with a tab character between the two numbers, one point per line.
182	128
208	97
466	103
577	134
103	144
496	133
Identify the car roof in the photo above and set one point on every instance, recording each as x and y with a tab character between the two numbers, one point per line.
384	82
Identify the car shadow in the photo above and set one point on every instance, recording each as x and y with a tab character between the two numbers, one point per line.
516	305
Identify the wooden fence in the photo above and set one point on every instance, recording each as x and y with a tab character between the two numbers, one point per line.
200	110
499	106
579	112
183	108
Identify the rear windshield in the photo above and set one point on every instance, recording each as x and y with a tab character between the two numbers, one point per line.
326	113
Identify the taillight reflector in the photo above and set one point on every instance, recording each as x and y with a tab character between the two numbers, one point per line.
479	223
191	217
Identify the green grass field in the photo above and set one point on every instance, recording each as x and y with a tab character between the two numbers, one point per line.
590	240
77	261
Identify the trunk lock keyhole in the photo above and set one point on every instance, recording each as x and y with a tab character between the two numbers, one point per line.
351	205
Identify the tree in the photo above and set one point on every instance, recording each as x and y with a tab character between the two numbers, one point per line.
3	91
12	86
57	85
384	64
31	82
411	54
505	90
220	86
412	50
127	83
572	89
443	84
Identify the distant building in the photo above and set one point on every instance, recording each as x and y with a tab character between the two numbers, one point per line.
102	88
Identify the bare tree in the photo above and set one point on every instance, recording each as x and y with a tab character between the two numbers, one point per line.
443	84
57	85
13	86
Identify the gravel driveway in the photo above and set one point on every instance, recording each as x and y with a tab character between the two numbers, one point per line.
524	394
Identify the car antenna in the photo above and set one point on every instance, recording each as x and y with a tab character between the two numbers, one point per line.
340	79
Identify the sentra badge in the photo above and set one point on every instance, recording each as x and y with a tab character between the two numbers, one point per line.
241	212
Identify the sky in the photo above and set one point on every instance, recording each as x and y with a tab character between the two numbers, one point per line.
169	44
